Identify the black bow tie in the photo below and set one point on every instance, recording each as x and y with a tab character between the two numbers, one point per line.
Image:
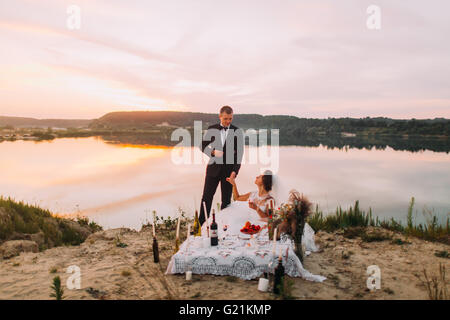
223	128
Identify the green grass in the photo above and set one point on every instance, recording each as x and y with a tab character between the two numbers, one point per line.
354	232
400	242
342	219
197	295
167	226
354	221
57	290
375	237
442	254
93	226
120	244
230	279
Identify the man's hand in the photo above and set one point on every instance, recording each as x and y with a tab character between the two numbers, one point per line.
217	153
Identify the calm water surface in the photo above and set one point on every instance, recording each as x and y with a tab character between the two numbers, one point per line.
119	185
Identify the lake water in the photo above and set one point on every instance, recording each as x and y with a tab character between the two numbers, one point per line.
119	185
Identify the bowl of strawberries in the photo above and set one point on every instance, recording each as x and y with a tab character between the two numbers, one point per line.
250	228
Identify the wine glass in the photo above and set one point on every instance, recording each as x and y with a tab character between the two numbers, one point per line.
225	228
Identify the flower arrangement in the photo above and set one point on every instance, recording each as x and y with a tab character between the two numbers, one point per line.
290	219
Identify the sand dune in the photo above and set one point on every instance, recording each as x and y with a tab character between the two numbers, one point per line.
111	272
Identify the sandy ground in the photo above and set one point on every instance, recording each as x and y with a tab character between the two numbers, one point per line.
112	272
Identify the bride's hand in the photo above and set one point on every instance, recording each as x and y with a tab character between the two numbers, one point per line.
252	205
231	178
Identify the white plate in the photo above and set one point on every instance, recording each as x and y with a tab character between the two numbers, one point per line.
228	243
244	236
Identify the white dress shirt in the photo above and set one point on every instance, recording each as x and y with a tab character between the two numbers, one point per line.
223	134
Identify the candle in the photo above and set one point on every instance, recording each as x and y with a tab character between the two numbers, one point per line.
206	242
274	241
263	284
178	228
204	207
188	231
188	275
154	233
207	218
206	212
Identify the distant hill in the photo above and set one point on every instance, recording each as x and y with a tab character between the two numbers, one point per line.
144	119
147	119
289	125
32	122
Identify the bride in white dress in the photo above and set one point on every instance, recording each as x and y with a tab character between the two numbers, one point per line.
252	206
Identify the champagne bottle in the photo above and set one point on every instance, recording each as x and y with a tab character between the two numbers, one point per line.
177	245
155	250
197	229
278	277
214	232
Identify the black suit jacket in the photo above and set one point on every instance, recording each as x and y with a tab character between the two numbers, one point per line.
233	147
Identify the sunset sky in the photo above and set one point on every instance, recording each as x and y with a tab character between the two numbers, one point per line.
309	58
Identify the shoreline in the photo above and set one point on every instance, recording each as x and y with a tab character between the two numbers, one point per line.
160	136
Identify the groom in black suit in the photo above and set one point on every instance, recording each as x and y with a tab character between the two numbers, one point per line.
224	144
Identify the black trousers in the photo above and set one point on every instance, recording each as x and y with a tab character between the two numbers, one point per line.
209	190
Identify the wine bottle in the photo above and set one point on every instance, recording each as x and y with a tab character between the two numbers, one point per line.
278	277
197	229
155	250
214	232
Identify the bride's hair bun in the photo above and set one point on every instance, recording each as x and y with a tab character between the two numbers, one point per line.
267	180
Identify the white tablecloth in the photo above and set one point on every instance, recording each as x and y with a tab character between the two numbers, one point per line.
234	256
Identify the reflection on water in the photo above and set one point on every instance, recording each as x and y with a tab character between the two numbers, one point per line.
120	184
379	142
